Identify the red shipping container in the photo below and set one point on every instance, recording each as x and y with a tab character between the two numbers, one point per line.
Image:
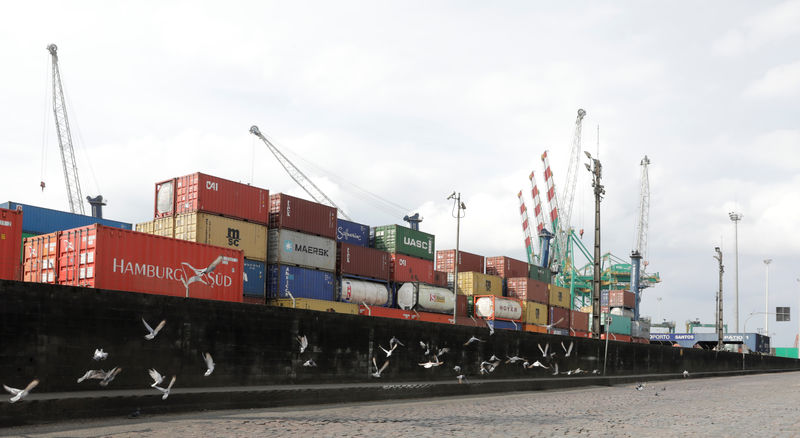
616	337
580	334
441	318
559	317
10	244
111	258
440	278
406	268
621	298
578	320
362	261
461	305
527	289
300	215
205	193
506	267
467	262
40	259
254	300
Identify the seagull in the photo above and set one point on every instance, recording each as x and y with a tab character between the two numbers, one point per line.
491	327
457	369
426	347
209	364
567	350
394	342
685	374
99	354
494	359
388	352
473	339
549	326
19	394
546	348
430	364
378	372
92	374
640	386
110	376
303	341
166	390
443	351
153	333
310	363
539	364
575	371
595	371
515	359
157	377
461	378
555	371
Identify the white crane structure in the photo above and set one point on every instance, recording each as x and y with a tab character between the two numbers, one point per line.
65	138
639	259
297	175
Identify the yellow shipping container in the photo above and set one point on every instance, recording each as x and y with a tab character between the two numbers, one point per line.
318	305
475	283
535	313
163	226
559	296
222	231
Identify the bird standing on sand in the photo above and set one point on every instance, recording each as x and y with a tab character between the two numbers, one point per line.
153	333
19	394
685	374
209	364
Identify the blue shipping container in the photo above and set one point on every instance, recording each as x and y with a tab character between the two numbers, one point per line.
255	278
284	280
505	325
559	331
352	233
38	220
604	297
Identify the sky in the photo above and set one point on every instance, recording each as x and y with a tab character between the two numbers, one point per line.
413	101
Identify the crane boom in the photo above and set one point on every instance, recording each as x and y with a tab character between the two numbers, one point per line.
297	175
526	228
568	196
640	243
65	138
537	204
559	250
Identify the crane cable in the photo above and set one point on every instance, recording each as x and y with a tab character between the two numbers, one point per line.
44	126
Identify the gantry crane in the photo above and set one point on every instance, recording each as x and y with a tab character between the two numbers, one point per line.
297	175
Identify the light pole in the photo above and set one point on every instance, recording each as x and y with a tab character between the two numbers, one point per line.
596	169
458	206
720	326
797	315
766	297
736	217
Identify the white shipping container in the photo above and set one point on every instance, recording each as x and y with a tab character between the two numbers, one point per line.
288	247
367	292
425	297
498	308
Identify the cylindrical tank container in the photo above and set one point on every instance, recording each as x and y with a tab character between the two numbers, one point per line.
364	292
424	297
230	233
300	215
493	307
287	247
559	317
40	260
527	289
38	220
111	258
621	311
293	281
363	261
10	244
255	278
402	240
506	267
406	268
445	261
210	194
352	233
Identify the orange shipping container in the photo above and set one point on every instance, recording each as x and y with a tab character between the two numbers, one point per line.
533	328
40	259
10	244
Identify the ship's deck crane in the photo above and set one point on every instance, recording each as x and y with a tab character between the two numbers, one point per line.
639	253
297	175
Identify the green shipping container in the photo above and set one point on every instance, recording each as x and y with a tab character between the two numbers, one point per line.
786	352
402	240
539	273
620	325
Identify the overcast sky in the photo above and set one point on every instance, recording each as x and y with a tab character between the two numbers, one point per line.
412	101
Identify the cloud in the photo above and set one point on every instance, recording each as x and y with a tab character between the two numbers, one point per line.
781	81
772	25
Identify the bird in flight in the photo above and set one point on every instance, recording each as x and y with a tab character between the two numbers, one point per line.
394	342
99	354
209	364
549	326
461	378
443	351
473	339
567	350
310	363
153	332
156	376
166	390
427	347
378	371
388	352
516	359
543	350
538	364
430	364
303	341
19	394
491	327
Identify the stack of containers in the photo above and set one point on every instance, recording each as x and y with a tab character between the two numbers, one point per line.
467	262
411	251
534	297
214	211
559	309
10	244
506	267
640	331
620	305
363	271
539	273
580	324
301	253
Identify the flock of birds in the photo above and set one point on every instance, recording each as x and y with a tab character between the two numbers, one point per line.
105	377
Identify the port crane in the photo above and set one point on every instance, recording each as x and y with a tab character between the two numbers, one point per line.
639	260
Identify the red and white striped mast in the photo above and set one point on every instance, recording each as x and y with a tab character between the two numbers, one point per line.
523	211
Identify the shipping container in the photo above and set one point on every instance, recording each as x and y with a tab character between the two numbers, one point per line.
559	297
539	273
559	331
604	297
316	305
475	283
253	300
440	278
163	226
622	311
38	220
352	233
388	312
199	192
640	329
619	324
402	240
363	261
406	268
111	258
579	320
292	281
22	250
527	289
255	278
440	318
467	262
533	328
494	307
214	230
287	247
621	298
368	292
535	313
423	297
10	244
581	334
507	325
559	317
604	309
616	337
297	214
506	267
40	262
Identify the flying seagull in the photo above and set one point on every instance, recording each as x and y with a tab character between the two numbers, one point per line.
555	371
157	377
99	354
568	351
549	326
430	364
378	371
19	394
457	369
539	364
473	339
388	352
491	327
92	374
515	359
153	333
443	351
545	350
427	347
209	364
303	341
310	363
461	378
394	342
166	390
110	376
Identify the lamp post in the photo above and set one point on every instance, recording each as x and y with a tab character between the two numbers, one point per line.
766	297
458	206
736	217
720	325
596	169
